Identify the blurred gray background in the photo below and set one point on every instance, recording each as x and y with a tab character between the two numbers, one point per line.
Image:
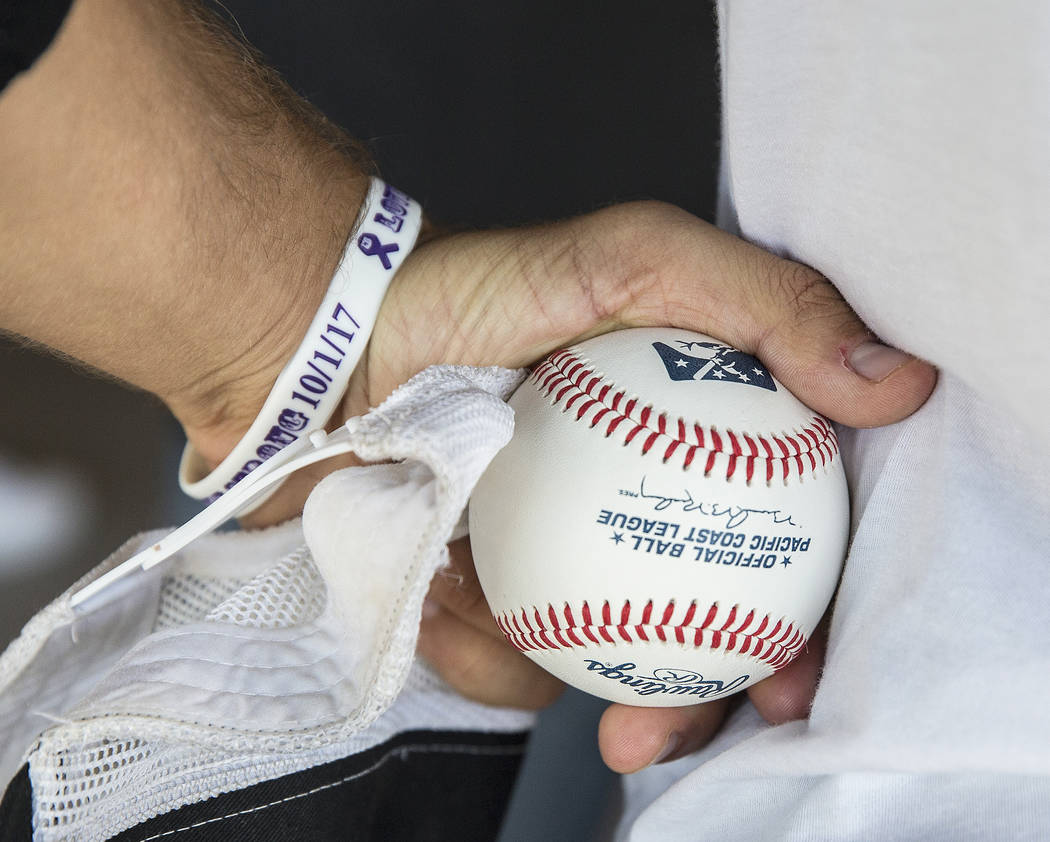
490	114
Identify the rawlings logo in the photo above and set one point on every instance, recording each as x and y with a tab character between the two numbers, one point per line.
665	681
713	361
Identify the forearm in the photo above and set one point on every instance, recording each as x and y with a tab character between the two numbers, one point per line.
170	213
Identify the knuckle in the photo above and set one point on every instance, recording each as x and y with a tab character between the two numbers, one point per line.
636	243
651	213
590	262
602	267
805	295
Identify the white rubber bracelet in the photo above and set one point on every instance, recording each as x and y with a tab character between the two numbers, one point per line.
310	388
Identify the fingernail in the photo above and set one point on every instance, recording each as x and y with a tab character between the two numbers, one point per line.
430	609
875	361
674	742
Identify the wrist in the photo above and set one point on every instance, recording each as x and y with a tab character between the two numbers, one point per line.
260	324
311	385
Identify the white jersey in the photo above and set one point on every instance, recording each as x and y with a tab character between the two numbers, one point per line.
902	149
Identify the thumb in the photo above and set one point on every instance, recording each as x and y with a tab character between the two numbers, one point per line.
785	313
817	346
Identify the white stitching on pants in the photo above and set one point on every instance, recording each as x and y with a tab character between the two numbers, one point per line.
399	751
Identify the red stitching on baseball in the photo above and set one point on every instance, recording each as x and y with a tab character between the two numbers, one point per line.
565	372
598	416
583	409
776	646
716	441
573	398
711	455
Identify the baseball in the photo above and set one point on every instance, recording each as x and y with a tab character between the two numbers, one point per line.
668	522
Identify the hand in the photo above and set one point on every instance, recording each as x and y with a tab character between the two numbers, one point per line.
510	297
184	206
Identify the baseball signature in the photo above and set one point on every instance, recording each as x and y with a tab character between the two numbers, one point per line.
732	515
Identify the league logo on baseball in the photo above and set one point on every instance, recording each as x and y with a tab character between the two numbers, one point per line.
667	524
